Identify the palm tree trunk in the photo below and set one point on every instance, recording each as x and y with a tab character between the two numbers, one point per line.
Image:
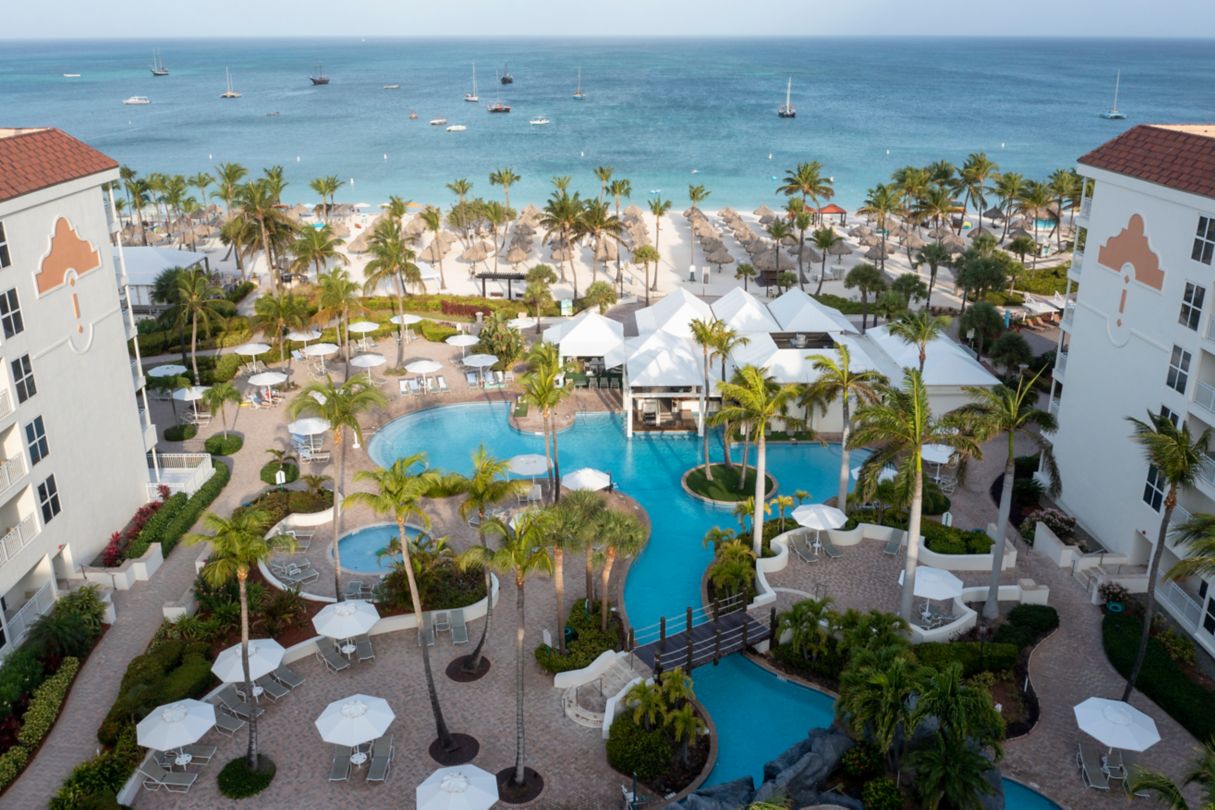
841	498
704	418
1149	610
657	229
251	752
401	326
742	478
913	541
338	488
548	455
757	521
473	662
194	348
991	608
556	467
604	582
559	591
445	738
520	776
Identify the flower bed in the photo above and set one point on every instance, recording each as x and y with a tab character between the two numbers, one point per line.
115	550
587	643
724	487
177	515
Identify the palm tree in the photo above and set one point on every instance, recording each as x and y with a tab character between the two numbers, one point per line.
810	626
1007	188
919	329
1176	458
487	485
800	220
807	180
497	216
505	178
899	425
198	302
258	205
875	692
392	262
725	341
754	398
869	280
707	335
823	240
935	257
972	181
238	544
1034	201
561	183
951	776
1010	411
218	397
338	296
596	223
659	208
1065	185
275	314
317	184
398	493
619	188
744	272
521	553
696	195
881	204
837	380
460	187
227	181
621	535
340	404
1200	772
936	205
645	255
433	217
201	181
138	190
604	175
561	217
316	248
572	525
541	390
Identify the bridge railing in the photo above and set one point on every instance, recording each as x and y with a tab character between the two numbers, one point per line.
693	617
692	654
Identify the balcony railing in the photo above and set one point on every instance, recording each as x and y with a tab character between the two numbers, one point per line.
1184	607
18	537
6	402
38	604
1204	396
11	471
1053	407
1060	364
180	472
1069	314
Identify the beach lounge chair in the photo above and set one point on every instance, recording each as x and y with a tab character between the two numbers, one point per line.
339	769
535	494
403	387
499	379
298	356
303	539
894	544
427	634
414	387
272	688
442	621
301	577
363	648
199	752
1089	761
232	703
156	777
442	381
332	658
226	723
287	677
470	377
381	759
829	548
801	547
354	589
459	628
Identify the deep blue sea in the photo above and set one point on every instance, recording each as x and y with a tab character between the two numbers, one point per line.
654	110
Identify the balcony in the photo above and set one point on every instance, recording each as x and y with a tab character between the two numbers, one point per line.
18	537
1204	398
1083	212
6	402
150	438
1206	477
1053	407
137	378
11	471
1185	609
1060	366
21	619
180	472
1069	316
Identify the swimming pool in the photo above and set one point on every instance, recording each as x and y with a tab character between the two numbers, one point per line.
1019	797
359	548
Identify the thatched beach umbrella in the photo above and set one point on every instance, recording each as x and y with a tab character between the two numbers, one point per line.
993	213
560	253
859	230
912	241
434	252
974	232
875	253
719	257
476	252
839	250
516	255
953	243
871	239
1019	232
605	250
762	211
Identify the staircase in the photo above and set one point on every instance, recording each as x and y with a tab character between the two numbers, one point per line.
585	704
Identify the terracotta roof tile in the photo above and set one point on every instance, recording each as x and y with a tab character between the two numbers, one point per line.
1174	158
41	158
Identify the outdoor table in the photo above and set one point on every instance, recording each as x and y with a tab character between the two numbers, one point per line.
358	758
348	648
182	759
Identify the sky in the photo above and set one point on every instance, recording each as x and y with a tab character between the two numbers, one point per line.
619	18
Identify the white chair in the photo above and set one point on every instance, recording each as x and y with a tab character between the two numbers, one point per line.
403	384
443	389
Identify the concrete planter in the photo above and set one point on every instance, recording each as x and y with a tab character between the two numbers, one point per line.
124	577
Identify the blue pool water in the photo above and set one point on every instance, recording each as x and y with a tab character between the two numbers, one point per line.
359	548
1018	797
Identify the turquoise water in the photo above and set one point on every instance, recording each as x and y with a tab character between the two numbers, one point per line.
1018	797
359	548
655	110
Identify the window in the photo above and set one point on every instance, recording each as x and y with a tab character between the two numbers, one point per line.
1179	370
1168	414
35	440
10	314
1153	490
23	378
1204	241
5	256
1208	619
1191	306
48	499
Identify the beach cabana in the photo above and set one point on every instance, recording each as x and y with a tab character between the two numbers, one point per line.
833	210
587	336
663	375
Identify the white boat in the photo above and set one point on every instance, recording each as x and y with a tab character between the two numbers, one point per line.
158	65
578	94
1112	114
71	75
539	121
456	128
229	93
786	110
137	100
473	97
438	122
392	87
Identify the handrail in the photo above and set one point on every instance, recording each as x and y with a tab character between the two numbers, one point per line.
700	615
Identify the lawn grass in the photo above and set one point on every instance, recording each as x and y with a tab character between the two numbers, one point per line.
725	486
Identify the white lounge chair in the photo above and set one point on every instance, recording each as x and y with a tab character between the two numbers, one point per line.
472	379
443	389
403	385
287	677
156	777
459	628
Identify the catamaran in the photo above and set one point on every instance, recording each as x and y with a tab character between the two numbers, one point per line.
229	93
135	101
787	111
578	94
319	78
473	97
539	121
1112	114
158	66
506	78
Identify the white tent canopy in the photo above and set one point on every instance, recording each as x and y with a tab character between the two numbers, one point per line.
663	359
796	311
587	334
743	312
144	264
946	363
673	314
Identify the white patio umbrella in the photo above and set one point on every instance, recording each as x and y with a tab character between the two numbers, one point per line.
251	350
522	322
530	464
320	351
586	478
309	426
265	379
354	720
936	453
463	341
303	336
191	394
406	320
819	516
461	787
167	370
1116	724
363	328
348	619
174	725
423	367
480	362
368	361
265	656
887	474
934	584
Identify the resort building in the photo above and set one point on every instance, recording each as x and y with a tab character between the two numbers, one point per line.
74	431
1139	338
144	264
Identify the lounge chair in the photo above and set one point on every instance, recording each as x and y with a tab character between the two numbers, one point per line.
403	385
1089	761
287	677
354	589
459	628
272	688
500	379
442	621
801	547
302	577
381	759
894	544
363	647
332	658
227	723
236	706
303	540
199	752
339	769
829	548
442	381
414	387
156	777
427	634
470	377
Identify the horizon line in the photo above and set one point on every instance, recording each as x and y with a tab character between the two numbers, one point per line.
609	37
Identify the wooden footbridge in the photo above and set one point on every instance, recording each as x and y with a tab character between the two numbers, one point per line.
701	636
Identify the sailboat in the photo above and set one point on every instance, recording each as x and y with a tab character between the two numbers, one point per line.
578	94
506	78
229	93
473	97
1112	114
319	78
787	111
158	66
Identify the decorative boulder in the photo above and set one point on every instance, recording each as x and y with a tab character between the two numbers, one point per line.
799	780
726	796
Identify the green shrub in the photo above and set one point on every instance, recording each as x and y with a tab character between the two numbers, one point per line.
1027	492
436	332
1012	634
1179	647
153	530
226	367
633	750
973	656
587	644
238	781
20	675
104	774
175	528
217	445
1037	619
949	540
44	708
936	502
827	665
1026	466
862	761
12	763
278	504
270	470
882	794
240	291
180	433
169	671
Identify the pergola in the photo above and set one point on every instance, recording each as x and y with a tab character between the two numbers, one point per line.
509	278
833	210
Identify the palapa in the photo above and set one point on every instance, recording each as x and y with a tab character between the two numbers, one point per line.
516	255
476	252
434	252
839	249
762	211
719	257
875	253
912	241
606	250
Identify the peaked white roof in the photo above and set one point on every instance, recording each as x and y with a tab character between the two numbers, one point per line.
673	314
659	358
946	362
797	365
743	312
587	334
796	311
144	264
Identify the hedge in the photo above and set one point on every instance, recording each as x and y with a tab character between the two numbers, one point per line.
180	433
269	470
240	291
633	750
21	673
219	445
171	670
177	515
103	775
949	540
1027	624
436	332
973	656
12	763
48	700
1186	701
588	643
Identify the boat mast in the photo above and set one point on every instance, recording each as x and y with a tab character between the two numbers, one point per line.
1117	80
788	93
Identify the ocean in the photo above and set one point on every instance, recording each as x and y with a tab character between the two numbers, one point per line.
663	113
